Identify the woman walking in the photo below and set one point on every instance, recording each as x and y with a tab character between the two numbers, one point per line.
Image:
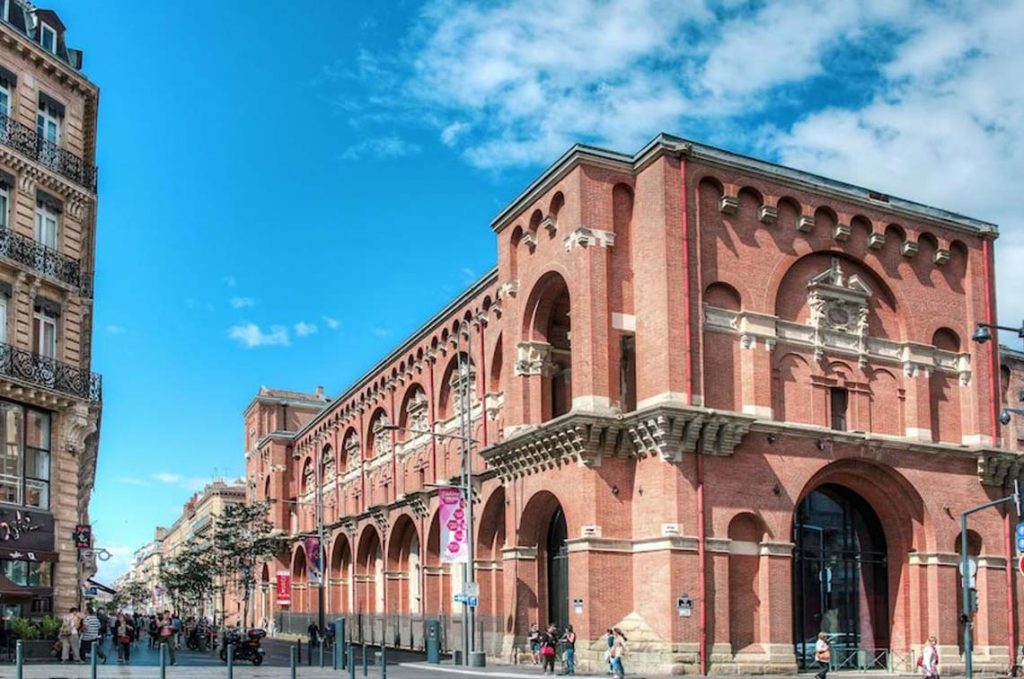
822	655
124	633
618	652
929	662
548	652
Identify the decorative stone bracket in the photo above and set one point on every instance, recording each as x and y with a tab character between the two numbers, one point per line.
585	237
998	467
533	358
584	438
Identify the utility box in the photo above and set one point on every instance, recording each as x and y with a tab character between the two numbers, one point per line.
432	634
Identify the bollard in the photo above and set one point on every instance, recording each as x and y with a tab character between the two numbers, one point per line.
231	661
335	655
163	661
293	660
321	653
351	657
364	659
383	662
298	642
339	643
93	648
19	659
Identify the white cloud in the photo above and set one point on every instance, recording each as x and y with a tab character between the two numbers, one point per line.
303	329
332	323
132	481
251	335
380	148
115	329
381	332
450	135
242	302
191	483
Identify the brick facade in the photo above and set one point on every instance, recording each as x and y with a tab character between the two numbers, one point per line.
677	351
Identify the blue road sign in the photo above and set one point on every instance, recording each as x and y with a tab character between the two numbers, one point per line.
1020	529
472	601
1020	544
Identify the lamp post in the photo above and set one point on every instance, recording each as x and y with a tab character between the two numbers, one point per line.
465	439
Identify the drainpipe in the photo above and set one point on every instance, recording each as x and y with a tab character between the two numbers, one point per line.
483	385
702	642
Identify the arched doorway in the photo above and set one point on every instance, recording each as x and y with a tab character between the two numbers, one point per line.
558	570
840	575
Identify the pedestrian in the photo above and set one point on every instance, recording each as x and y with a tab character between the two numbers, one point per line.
534	640
822	655
314	635
610	639
91	635
104	624
70	627
166	631
618	652
154	631
569	640
124	632
176	621
271	627
929	660
548	651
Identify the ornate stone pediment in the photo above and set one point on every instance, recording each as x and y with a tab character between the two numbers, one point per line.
838	303
533	358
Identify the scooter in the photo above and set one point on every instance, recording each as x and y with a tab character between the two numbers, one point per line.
247	648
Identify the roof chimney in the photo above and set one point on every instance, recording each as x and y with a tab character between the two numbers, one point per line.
320	392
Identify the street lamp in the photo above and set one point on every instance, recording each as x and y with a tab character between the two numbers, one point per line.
321	549
983	333
465	439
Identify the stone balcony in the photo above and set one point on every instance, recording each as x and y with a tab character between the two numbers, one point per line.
26	141
46	261
49	373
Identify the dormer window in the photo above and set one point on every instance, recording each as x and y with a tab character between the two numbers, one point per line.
48	37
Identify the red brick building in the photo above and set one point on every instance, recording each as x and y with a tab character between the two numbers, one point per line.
695	376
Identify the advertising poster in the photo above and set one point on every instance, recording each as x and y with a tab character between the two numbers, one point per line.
284	588
454	540
314	569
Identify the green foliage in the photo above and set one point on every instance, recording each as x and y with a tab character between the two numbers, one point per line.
243	538
24	628
49	626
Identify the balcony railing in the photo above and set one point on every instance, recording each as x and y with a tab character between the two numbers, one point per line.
23	138
44	259
50	373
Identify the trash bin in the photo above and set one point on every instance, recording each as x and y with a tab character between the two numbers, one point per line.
433	635
477	659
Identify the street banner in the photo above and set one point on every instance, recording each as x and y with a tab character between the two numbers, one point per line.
454	537
284	588
314	569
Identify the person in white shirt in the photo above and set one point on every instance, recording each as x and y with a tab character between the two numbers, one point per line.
70	626
822	655
930	659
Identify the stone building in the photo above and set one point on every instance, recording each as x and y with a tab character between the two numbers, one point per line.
719	403
50	402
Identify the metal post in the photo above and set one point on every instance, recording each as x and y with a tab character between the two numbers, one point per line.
365	669
339	644
965	582
351	657
383	663
163	661
231	661
298	644
466	422
292	660
19	660
93	648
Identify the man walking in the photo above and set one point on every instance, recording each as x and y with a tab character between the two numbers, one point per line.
166	627
91	635
69	635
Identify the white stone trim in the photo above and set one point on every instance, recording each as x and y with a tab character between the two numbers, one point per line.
744	548
592	403
763	412
585	237
664	398
625	322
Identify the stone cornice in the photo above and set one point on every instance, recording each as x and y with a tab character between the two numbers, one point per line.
1000	467
583	438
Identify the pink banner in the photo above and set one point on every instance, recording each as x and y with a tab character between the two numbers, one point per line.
454	538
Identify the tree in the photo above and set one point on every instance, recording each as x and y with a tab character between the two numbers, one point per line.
188	576
243	538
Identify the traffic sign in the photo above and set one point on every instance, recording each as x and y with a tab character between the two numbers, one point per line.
472	601
459	598
471	588
1020	537
1020	564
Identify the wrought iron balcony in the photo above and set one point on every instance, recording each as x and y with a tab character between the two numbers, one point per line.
50	373
23	138
43	259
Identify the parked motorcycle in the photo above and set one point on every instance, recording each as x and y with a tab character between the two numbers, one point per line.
246	648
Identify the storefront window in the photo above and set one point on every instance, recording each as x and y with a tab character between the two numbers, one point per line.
26	573
25	456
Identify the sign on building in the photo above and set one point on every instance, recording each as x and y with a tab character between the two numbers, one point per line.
284	588
454	542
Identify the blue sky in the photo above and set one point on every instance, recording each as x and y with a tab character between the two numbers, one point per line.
287	190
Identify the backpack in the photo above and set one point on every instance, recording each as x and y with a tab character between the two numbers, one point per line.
920	660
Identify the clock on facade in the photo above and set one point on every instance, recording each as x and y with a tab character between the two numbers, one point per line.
838	316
